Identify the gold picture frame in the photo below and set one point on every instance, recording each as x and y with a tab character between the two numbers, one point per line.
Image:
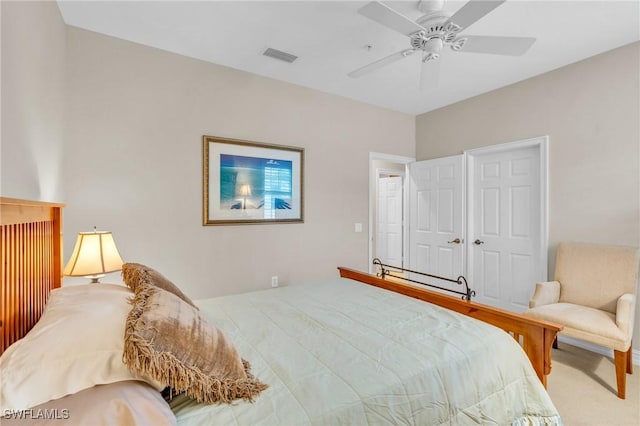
248	182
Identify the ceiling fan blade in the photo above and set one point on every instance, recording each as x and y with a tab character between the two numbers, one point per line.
429	75
380	63
388	17
472	11
497	45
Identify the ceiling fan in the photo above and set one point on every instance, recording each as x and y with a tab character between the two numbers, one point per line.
435	30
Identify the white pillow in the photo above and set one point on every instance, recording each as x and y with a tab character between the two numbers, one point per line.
78	343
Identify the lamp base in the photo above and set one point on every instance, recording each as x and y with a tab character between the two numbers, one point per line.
95	279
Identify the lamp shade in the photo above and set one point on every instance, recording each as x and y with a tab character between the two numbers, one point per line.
95	254
244	190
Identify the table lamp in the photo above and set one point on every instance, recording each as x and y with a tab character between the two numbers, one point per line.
244	191
94	255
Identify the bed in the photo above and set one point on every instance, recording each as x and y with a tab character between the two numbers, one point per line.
356	349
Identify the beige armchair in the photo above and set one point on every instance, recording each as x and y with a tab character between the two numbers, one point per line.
593	297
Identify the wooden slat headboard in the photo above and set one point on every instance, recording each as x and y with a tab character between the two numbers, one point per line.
30	262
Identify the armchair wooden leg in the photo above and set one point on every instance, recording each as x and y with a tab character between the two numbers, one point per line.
622	364
630	359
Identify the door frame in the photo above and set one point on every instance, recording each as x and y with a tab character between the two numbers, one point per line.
540	142
373	182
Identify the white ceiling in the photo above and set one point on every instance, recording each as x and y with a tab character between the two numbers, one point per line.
330	39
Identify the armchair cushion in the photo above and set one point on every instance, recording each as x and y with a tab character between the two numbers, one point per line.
582	322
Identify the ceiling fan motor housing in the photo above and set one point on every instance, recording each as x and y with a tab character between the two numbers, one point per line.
430	6
436	26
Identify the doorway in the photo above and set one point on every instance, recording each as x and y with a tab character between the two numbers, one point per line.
387	233
389	217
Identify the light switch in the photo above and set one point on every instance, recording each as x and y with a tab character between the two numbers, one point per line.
358	227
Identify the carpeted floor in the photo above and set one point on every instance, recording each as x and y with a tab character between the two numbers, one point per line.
582	385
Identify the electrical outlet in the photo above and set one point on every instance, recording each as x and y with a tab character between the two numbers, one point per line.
274	281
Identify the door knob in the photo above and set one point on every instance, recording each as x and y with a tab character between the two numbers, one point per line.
478	242
456	241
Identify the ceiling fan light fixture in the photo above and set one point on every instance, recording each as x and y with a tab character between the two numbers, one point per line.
433	45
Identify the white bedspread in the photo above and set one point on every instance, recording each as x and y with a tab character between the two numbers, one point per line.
342	352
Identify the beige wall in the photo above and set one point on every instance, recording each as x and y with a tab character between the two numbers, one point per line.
133	164
591	112
33	66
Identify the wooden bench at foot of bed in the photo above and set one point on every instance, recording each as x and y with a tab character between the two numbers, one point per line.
535	336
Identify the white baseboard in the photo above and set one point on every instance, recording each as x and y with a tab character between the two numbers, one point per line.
601	350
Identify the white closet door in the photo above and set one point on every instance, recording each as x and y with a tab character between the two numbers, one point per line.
507	244
436	217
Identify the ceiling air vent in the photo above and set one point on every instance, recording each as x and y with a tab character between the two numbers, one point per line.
278	54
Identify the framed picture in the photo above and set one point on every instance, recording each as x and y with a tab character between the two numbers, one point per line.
249	182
